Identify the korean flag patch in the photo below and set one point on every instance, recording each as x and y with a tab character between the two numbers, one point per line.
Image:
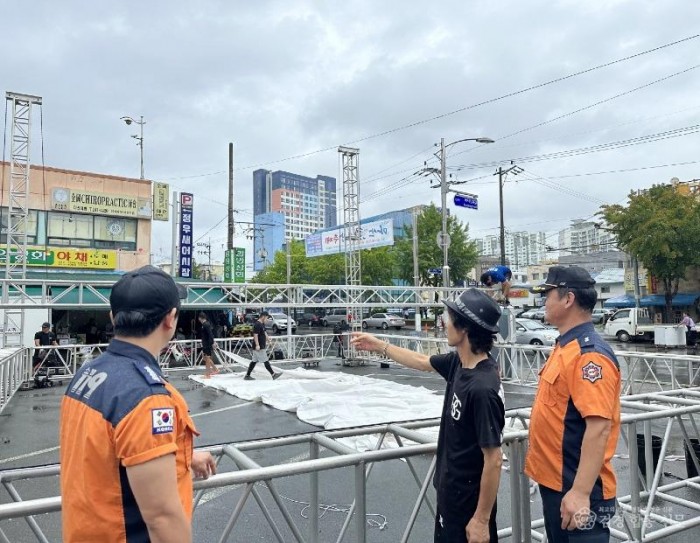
592	372
163	420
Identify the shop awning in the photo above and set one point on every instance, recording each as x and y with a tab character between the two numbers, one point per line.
62	295
205	296
682	299
619	302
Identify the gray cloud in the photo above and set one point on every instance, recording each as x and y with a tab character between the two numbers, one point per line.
281	79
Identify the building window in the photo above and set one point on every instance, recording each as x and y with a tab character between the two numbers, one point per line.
115	233
604	290
32	225
69	229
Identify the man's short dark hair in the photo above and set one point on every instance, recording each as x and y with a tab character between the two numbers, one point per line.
485	278
202	315
136	324
586	298
480	339
263	314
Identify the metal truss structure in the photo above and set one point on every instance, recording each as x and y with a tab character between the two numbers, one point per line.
350	158
17	210
520	364
641	372
242	473
95	295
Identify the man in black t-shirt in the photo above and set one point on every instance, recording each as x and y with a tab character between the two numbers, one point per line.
260	352
45	337
469	457
208	346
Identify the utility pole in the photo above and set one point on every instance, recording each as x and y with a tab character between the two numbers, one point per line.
206	251
231	227
502	235
444	189
444	240
515	170
416	274
175	264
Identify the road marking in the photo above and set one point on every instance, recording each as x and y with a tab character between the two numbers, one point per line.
29	455
222	409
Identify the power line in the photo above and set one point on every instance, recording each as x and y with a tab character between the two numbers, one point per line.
578	151
453	112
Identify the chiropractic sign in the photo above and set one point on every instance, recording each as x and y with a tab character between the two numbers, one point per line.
96	203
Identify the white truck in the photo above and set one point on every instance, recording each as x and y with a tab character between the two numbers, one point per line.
626	324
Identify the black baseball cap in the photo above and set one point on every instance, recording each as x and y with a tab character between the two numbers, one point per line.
147	290
477	307
565	277
264	314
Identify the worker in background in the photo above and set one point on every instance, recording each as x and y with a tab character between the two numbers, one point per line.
44	338
498	275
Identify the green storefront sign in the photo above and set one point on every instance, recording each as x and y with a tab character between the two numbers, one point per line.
234	265
239	265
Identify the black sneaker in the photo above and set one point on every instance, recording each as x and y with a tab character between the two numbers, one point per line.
249	378
276	375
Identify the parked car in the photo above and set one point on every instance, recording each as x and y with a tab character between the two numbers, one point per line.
311	319
599	316
250	318
334	316
531	332
536	313
278	322
383	321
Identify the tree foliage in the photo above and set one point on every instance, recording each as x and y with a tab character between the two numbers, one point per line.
661	228
377	267
462	255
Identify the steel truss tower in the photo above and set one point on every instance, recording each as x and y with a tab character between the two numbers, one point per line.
350	158
17	211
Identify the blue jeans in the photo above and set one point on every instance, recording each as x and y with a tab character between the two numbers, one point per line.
597	532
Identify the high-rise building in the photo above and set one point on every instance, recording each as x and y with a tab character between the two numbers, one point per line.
584	237
304	204
522	248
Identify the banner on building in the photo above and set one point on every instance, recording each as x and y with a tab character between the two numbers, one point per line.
185	238
161	202
95	259
239	265
373	234
97	203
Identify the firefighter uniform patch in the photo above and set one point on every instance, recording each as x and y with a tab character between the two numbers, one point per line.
162	420
592	372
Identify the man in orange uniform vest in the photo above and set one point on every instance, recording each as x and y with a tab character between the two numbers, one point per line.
126	436
575	421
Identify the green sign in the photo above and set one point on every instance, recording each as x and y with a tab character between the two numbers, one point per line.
35	257
228	266
239	265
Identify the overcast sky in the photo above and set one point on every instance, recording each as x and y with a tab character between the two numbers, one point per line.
286	78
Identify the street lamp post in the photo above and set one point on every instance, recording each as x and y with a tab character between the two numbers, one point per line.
444	189
129	120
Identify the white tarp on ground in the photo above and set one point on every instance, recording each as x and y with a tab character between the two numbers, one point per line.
332	400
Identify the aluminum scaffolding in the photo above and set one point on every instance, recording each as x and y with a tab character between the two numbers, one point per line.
249	470
352	236
17	211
